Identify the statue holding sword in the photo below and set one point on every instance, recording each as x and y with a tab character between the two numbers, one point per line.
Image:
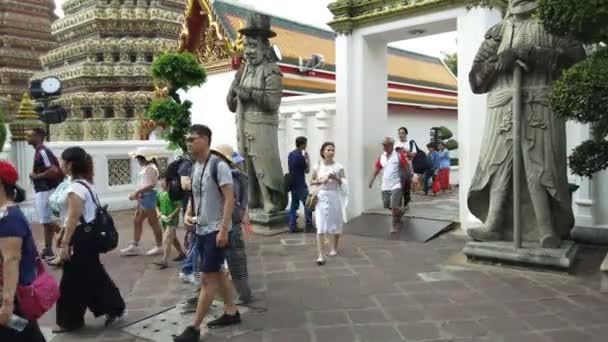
520	187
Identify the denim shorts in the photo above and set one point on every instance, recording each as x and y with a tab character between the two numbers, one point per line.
212	257
148	200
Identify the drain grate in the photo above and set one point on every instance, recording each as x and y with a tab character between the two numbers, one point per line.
165	325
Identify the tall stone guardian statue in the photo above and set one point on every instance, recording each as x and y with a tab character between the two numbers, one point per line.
520	41
255	96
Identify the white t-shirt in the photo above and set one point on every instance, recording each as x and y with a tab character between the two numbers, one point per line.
148	176
89	206
390	167
406	145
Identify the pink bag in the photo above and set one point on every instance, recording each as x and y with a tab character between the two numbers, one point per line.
39	297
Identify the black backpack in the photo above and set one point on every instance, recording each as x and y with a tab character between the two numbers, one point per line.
174	184
419	163
100	234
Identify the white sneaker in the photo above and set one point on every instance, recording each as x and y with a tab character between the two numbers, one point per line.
154	251
195	279
333	253
132	250
185	278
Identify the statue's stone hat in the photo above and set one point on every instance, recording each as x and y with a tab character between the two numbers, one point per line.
258	25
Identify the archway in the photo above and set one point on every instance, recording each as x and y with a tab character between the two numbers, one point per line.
364	30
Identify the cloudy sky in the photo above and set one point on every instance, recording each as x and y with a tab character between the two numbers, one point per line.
315	12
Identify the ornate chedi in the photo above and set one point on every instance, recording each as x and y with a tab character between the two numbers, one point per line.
26	119
25	34
106	50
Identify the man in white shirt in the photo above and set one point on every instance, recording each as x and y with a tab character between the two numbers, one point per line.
396	174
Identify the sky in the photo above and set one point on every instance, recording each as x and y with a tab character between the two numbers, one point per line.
315	12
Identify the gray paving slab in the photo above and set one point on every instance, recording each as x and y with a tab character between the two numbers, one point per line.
375	290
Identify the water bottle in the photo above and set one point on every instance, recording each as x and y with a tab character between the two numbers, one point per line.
17	323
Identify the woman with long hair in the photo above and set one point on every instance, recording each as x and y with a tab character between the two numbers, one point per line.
85	284
146	207
17	257
330	179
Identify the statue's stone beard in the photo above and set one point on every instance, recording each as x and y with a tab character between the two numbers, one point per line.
523	6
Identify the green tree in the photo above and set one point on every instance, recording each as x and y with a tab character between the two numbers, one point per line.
175	71
581	94
451	61
443	134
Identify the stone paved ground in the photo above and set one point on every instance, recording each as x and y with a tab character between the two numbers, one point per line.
442	207
381	291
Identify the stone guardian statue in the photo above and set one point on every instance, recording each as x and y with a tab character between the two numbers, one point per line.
255	96
546	211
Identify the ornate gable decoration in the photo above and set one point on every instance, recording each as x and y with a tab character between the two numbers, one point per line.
349	14
203	34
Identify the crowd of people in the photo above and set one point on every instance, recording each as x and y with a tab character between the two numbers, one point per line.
207	190
405	167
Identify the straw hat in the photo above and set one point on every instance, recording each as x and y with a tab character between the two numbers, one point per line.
147	153
227	152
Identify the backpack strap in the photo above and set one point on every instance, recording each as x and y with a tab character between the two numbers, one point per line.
216	162
412	144
93	197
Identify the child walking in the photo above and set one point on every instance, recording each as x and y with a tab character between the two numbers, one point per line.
433	162
444	166
168	213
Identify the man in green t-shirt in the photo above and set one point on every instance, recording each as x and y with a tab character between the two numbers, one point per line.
168	213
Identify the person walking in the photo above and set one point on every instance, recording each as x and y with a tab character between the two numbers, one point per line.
17	257
433	162
85	283
168	212
210	211
330	179
146	205
46	176
236	256
395	180
444	166
299	165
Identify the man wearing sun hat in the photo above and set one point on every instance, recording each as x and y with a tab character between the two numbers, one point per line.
236	256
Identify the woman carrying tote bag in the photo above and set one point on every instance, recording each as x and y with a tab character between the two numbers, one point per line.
17	259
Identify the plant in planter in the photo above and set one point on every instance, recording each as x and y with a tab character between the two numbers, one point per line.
443	134
172	72
582	92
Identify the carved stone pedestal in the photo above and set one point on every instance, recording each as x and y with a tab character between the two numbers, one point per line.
530	254
269	224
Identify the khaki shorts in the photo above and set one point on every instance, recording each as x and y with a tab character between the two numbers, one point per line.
392	198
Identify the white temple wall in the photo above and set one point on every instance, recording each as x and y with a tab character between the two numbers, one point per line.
116	174
209	107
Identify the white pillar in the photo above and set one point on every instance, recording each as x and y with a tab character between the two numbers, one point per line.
471	29
582	201
23	163
361	110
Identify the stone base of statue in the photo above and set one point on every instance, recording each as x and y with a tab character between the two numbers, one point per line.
531	253
267	224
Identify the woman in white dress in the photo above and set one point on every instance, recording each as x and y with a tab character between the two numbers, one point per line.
329	178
